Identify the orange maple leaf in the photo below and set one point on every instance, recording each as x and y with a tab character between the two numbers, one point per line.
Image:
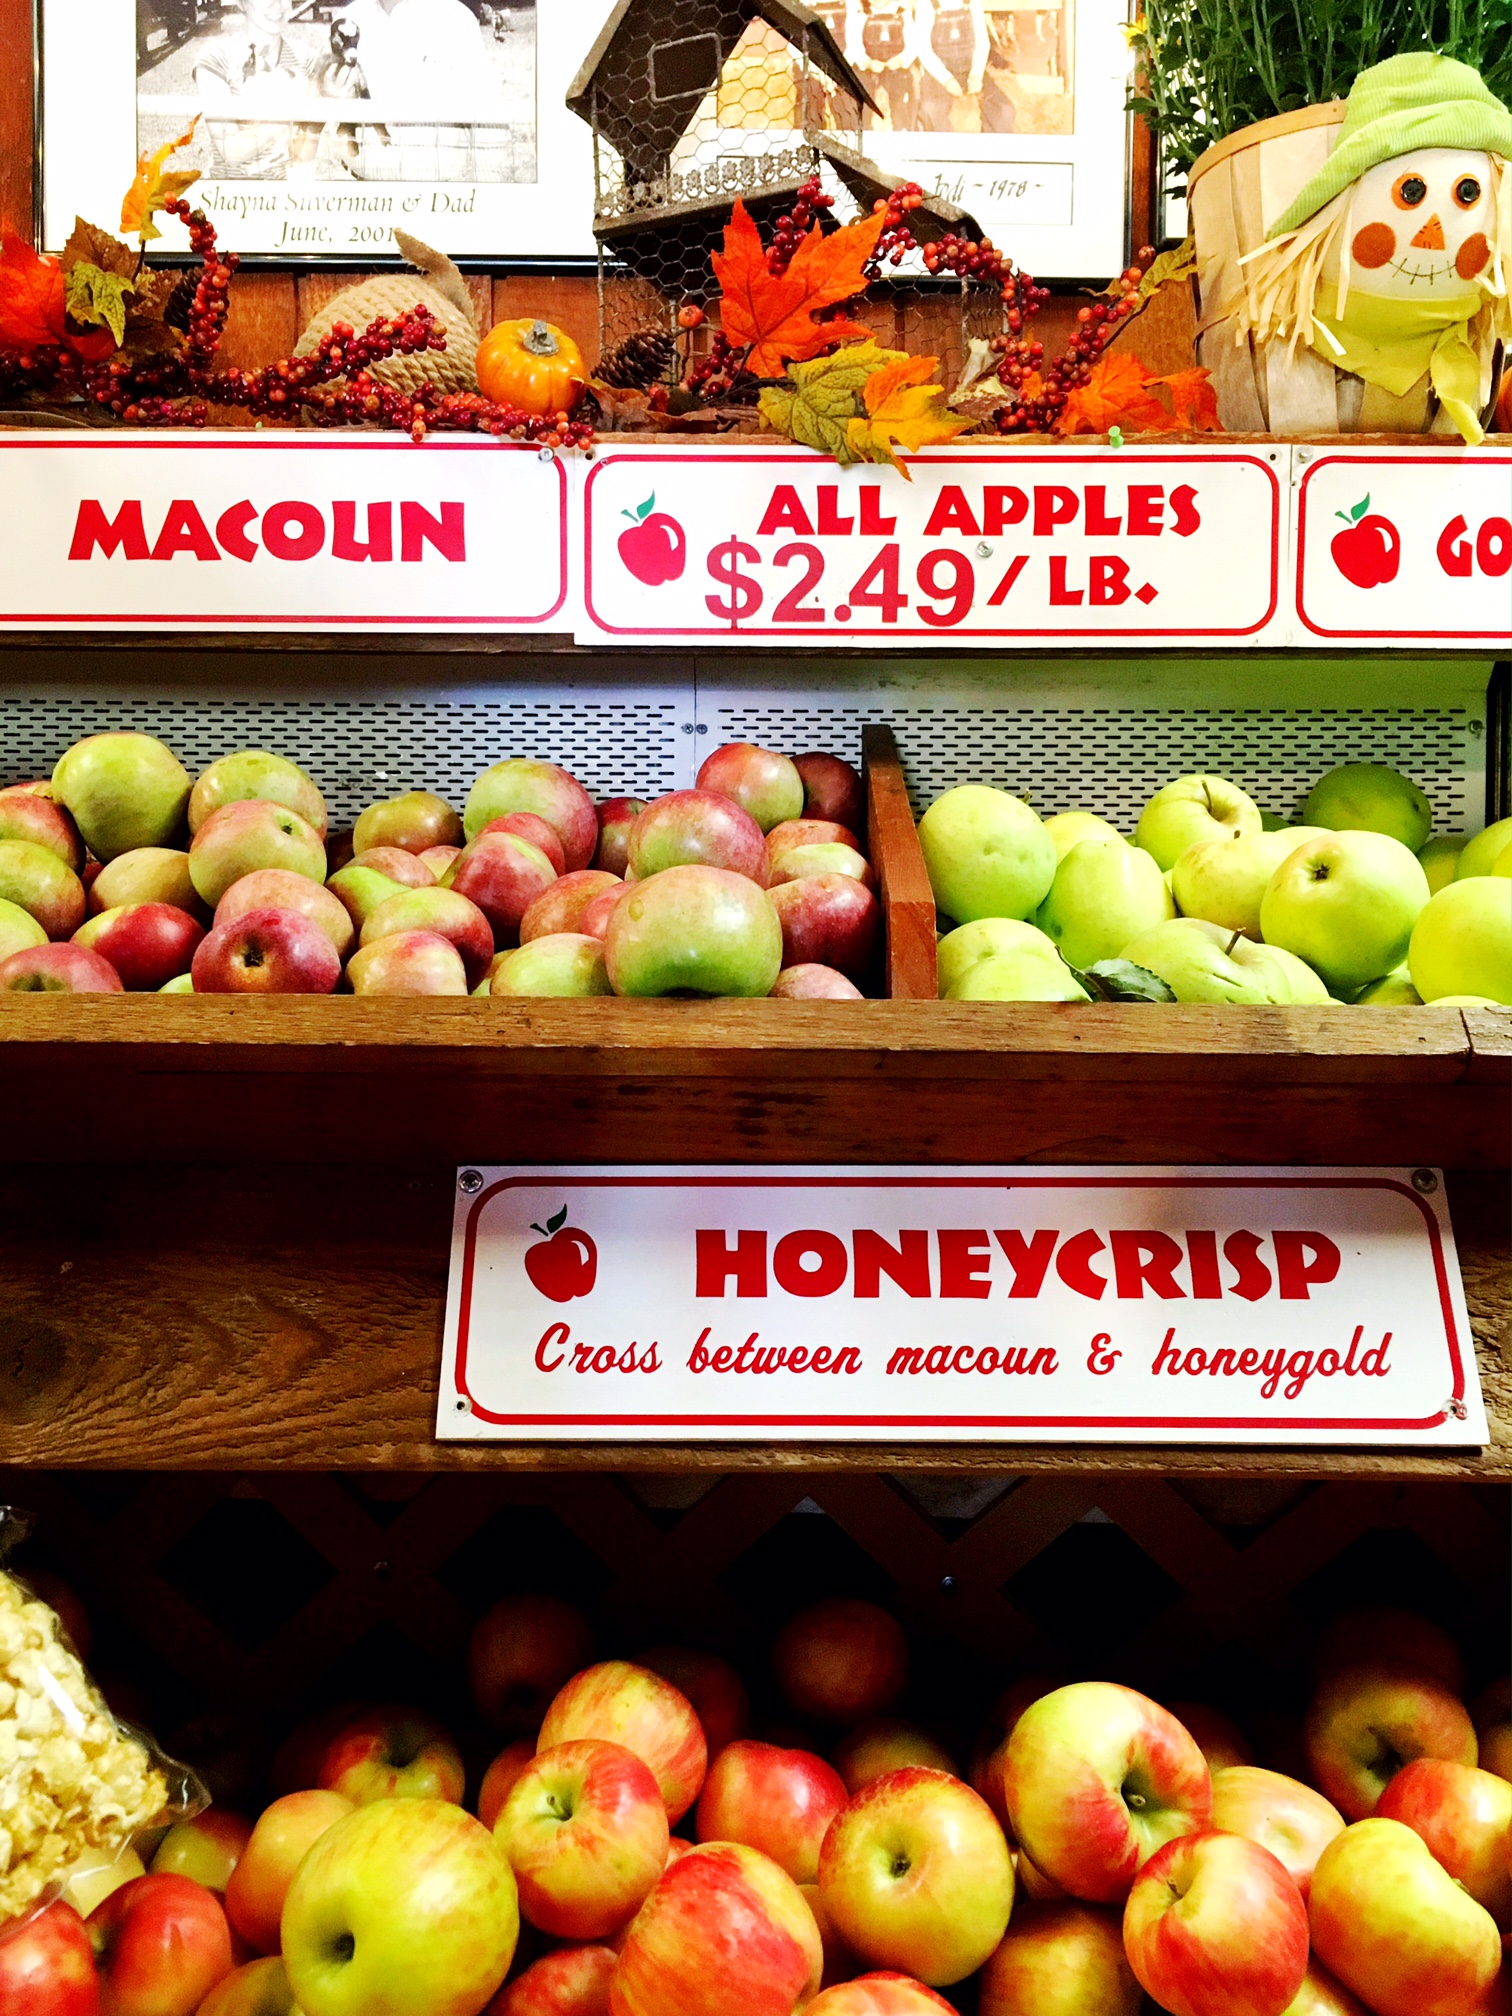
1115	394
1193	400
902	406
154	185
31	296
773	314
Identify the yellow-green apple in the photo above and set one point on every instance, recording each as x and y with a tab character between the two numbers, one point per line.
696	829
1491	1712
1059	1960
256	774
1193	808
279	889
361	890
1384	1634
521	785
723	1930
594	922
811	982
90	1879
123	790
615	818
1440	858
1321	1995
1217	1736
1069	829
407	1907
206	1848
1479	854
780	1801
716	1691
47	1965
616	1702
266	952
585	1831
841	1660
1396	1928
574	1981
1214	1926
1465	1816
400	866
408	962
1370	798
988	938
58	969
1392	990
1105	892
503	875
690	930
884	1743
1223	881
501	1777
523	1650
27	815
147	943
147	875
1290	1819
1097	1778
1018	976
285	1832
878	1995
1036	1884
527	826
761	782
1346	905
987	853
415	820
832	789
1201	962
260	1988
563	965
36	881
1462	941
828	920
161	1943
18	929
392	1753
437	859
820	857
444	911
560	907
989	1752
916	1874
1365	1722
252	833
807	833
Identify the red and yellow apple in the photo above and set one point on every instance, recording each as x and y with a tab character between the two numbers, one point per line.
206	1849
28	815
553	794
249	834
780	1801
585	1831
828	920
36	881
161	1943
47	1965
256	774
716	1690
1295	1823
697	829
884	1743
503	875
501	1777
444	911
523	1650
841	1661
560	908
1061	1959
392	1753
1214	1926
260	1988
878	1995
724	1930
408	962
415	820
615	818
761	782
266	952
527	826
1465	1816
1365	1722
148	944
58	969
285	1832
617	1702
573	1981
281	889
813	983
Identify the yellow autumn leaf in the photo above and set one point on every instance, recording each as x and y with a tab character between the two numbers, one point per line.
152	186
902	406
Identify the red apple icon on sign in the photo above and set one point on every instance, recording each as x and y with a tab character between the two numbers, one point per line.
567	1264
1368	551
654	548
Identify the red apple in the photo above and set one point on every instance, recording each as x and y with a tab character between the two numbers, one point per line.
724	1931
443	911
760	781
27	815
58	969
825	857
503	875
1097	1778
161	1944
1214	1926
1367	553
438	859
807	833
1060	1960
1465	1816
828	920
408	962
415	821
38	882
527	826
564	1264
831	789
1295	1823
280	889
615	818
392	1753
560	908
585	1831
259	1883
813	983
248	834
260	1988
878	1995
266	952
571	1982
1321	1995
1217	1736
841	1660
1385	1636
148	944
47	1965
697	829
501	1777
398	863
654	549
523	1650
916	1875
883	1744
780	1801
594	921
716	1690
1035	1883
1365	1722
619	1703
206	1849
553	794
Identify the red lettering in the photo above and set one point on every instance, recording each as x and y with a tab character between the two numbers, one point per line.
1146	1260
184	531
698	1357
1146	501
1454	554
1167	1358
1380	1368
798	1358
716	1262
1015	567
723	1359
1202	1258
821	1361
1109	581
873	524
419	528
830	522
1002	505
1074	1264
1252	1278
987	1358
1099	524
1493	547
784	513
822	1279
557	1334
1062	597
1029	1259
1054	505
345	544
906	1264
848	1359
603	1358
1296	1273
937	1358
304	542
231	530
951	513
124	533
964	1359
1184	504
965	1258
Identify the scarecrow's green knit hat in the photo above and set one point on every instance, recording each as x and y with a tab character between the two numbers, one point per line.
1404	103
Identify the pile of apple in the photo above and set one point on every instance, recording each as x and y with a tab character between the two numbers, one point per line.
635	1852
1222	902
120	872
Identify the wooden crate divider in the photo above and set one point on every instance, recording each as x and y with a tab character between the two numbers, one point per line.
907	899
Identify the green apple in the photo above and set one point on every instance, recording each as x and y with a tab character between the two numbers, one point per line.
362	890
1066	829
560	964
124	790
1502	865
959	950
1370	798
1105	892
1302	986
1392	990
1440	858
987	853
1189	809
257	773
1346	905
694	930
1201	962
1272	822
1467	1001
1462	942
248	834
1222	881
181	983
1023	975
37	881
1480	855
18	928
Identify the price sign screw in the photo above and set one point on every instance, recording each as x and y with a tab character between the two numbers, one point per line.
1458	1409
470	1181
463	1407
984	551
948	1585
1424	1180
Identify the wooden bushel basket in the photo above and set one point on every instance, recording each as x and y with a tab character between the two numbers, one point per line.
1232	191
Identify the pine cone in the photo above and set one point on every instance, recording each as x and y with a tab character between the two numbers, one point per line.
640	361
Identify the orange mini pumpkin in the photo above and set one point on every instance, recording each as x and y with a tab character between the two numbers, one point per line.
532	365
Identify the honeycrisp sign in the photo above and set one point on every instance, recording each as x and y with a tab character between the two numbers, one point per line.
857	1304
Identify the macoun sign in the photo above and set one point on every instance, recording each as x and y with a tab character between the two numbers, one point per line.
1090	1305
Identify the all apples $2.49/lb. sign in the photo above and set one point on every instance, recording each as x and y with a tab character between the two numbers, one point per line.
724	545
1261	1306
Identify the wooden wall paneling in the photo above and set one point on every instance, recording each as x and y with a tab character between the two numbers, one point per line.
569	300
16	134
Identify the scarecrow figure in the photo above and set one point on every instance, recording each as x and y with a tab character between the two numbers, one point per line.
1392	262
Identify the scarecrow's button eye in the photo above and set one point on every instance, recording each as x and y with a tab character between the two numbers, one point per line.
1467	192
1408	191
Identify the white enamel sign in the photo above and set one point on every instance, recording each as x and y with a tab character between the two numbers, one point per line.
1252	1306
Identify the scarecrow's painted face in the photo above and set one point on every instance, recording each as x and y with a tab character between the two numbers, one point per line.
1420	225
